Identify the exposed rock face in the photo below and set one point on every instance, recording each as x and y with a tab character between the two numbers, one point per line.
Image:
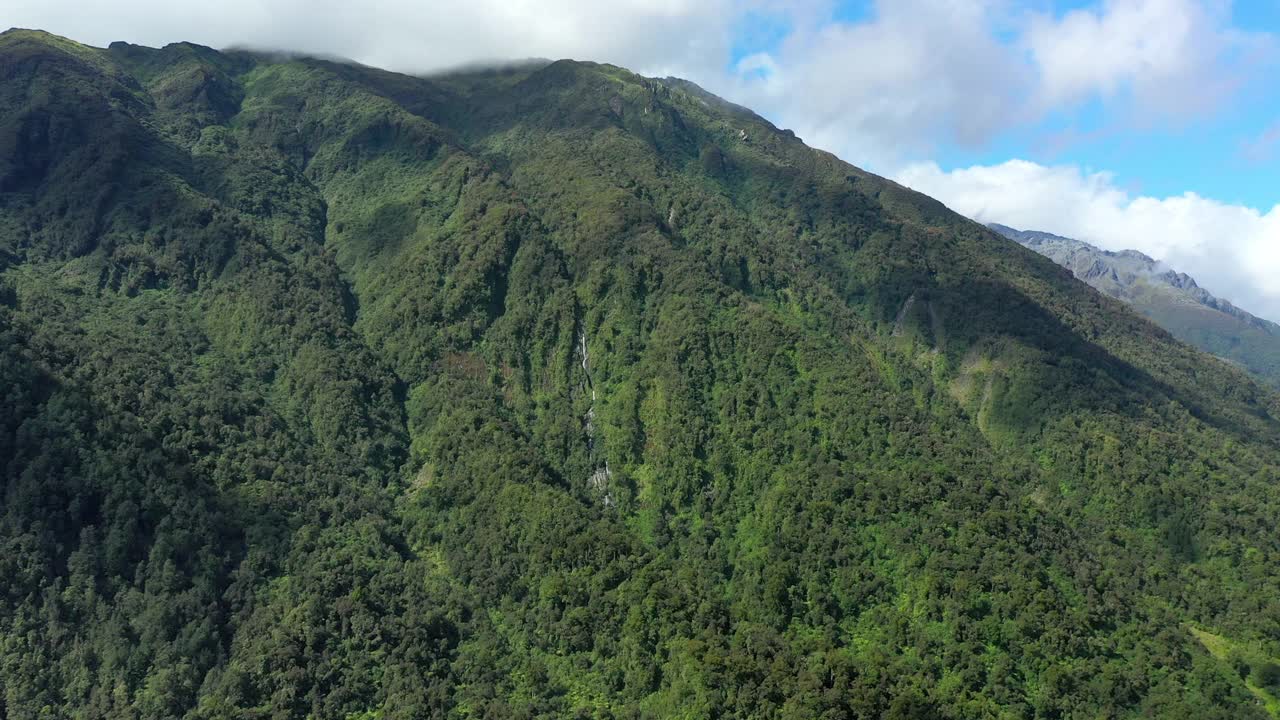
1172	299
600	476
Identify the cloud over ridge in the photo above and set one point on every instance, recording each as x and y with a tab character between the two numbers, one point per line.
889	87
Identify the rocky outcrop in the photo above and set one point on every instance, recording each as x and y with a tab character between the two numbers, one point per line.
1174	300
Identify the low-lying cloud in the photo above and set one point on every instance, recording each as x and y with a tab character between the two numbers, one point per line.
916	74
1166	56
410	35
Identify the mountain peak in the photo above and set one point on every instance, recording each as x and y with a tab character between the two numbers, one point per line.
44	38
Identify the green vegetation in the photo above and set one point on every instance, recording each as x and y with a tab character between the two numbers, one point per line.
556	391
1260	673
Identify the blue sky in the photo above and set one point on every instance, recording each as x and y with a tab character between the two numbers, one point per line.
1206	153
1147	124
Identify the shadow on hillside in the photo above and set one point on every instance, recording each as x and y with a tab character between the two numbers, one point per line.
1046	369
75	467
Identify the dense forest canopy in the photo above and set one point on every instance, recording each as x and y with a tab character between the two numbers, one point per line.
557	391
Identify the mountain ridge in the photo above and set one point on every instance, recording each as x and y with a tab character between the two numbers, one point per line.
1241	338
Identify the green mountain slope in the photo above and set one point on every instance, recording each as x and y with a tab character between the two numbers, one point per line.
1171	299
556	391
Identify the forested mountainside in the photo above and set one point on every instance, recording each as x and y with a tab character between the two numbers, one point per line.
1173	300
557	391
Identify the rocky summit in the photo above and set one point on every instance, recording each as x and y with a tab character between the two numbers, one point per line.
1169	298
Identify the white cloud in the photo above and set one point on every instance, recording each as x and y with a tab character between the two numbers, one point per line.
411	35
1232	250
917	73
1168	56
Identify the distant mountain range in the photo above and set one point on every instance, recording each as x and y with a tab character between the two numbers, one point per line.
1171	299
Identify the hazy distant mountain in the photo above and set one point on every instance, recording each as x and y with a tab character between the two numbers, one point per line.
1170	298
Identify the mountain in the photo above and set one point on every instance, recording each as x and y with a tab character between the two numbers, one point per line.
1171	299
558	391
